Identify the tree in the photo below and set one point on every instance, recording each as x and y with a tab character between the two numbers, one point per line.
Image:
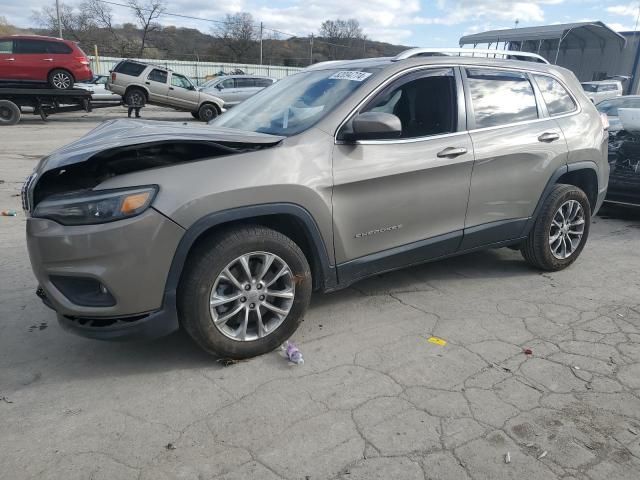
76	24
5	27
238	34
146	13
343	35
109	34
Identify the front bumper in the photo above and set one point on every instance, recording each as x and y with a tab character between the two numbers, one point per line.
131	258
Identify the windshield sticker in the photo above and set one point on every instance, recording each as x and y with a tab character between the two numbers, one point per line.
350	75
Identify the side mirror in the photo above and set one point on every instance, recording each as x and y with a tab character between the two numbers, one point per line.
375	125
219	86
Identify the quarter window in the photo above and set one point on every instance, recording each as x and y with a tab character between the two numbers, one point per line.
500	97
6	46
159	76
555	96
425	103
130	68
58	48
263	82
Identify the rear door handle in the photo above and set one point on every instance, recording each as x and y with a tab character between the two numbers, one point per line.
48	59
147	83
171	88
549	137
451	152
9	59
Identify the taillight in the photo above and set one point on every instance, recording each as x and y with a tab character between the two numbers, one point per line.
605	121
113	77
83	60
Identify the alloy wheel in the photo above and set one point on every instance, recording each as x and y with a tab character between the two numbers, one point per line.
567	229
252	296
61	81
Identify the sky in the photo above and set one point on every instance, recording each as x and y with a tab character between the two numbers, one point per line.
438	23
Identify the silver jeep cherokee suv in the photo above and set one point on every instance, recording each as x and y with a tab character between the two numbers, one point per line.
342	171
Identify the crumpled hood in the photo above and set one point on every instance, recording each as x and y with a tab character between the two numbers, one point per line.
126	132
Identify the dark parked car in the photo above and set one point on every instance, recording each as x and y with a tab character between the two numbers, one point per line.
37	59
624	162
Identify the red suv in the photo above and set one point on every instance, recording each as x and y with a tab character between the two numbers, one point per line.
32	58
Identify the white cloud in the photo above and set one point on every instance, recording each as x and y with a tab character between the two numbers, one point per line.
460	11
630	10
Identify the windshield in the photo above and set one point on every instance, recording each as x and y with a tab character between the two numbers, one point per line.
295	103
590	87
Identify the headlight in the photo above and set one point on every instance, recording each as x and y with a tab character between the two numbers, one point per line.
99	206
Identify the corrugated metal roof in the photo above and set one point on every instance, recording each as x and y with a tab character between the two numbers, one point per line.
581	34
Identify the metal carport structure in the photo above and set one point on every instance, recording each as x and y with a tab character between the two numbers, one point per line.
549	40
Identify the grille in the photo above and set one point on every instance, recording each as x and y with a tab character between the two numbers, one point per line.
27	193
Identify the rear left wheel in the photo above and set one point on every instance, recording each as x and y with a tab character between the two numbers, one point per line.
207	112
9	113
60	79
560	231
244	292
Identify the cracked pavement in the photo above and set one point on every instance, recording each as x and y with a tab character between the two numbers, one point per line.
374	399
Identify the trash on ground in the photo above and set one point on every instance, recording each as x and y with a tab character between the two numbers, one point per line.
507	458
170	446
542	455
8	213
227	362
612	360
5	400
528	351
293	353
437	341
620	315
529	445
632	431
576	367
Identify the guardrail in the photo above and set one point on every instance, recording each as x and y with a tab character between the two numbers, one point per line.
200	72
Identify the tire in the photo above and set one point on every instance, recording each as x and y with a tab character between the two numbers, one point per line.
60	79
539	247
9	113
195	115
135	97
207	112
203	280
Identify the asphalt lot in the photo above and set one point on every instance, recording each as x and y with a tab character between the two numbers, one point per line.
374	399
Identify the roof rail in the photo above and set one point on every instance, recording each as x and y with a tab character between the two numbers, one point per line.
507	54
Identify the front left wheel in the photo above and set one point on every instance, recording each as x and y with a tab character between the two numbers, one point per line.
244	292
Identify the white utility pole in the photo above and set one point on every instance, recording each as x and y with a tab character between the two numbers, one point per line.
311	50
58	15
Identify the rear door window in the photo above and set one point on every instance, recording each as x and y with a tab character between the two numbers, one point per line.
6	46
31	46
500	97
156	75
555	96
245	82
130	68
180	81
263	82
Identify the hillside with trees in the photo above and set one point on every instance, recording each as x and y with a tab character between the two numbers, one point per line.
236	38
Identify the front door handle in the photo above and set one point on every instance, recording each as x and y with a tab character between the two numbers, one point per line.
549	137
9	59
147	83
48	59
451	152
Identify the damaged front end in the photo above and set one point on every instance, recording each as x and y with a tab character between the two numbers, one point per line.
102	255
118	147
